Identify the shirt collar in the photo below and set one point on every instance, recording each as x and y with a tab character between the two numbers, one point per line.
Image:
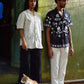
56	10
31	12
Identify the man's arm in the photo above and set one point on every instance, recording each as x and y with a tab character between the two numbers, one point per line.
50	52
71	50
24	44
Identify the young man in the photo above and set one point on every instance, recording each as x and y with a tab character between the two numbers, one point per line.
58	35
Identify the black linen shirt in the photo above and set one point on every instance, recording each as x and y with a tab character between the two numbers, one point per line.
59	28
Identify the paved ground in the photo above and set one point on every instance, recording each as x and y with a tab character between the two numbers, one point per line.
68	83
5	69
76	83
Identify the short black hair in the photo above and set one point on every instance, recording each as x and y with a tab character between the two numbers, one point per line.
56	1
26	5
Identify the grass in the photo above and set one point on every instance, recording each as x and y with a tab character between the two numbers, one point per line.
8	79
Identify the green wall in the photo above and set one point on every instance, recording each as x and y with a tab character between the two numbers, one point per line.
75	67
18	6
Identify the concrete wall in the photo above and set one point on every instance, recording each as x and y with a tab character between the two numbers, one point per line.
75	67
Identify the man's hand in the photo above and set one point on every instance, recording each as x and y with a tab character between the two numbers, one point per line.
50	52
71	51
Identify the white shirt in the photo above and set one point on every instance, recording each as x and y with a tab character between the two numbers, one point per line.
32	25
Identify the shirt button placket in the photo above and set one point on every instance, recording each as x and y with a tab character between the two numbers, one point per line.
34	32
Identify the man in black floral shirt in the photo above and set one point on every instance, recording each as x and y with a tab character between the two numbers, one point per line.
58	35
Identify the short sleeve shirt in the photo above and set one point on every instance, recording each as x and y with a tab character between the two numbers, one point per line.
32	26
59	28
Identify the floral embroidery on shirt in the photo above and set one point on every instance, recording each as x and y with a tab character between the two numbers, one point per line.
59	28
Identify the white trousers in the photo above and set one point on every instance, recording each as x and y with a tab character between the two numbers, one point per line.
58	65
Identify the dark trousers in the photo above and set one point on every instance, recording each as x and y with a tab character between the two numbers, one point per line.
30	64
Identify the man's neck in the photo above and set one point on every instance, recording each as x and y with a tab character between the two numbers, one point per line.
59	9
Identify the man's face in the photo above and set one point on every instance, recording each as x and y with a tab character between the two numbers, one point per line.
62	3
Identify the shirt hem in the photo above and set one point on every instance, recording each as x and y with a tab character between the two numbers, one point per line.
59	46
